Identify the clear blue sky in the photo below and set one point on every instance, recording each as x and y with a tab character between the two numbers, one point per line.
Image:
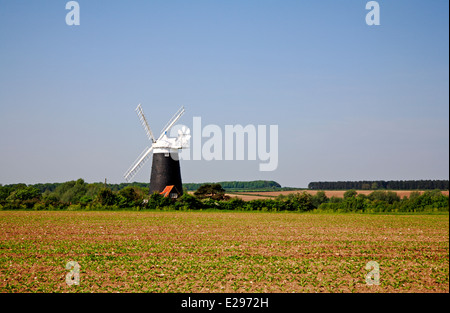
352	101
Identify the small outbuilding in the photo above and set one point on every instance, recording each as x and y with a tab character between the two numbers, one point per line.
170	191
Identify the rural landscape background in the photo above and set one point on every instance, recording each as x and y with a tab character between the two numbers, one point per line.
211	240
246	196
358	201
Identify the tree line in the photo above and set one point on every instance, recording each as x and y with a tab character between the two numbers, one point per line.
75	194
381	184
257	185
79	195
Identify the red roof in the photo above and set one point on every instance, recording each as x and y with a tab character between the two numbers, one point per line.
167	191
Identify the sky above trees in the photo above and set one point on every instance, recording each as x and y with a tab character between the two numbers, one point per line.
351	101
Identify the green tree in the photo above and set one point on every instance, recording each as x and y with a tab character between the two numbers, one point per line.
213	191
157	200
71	191
386	196
27	193
106	197
25	197
188	202
414	195
350	194
234	204
4	192
301	202
130	197
319	198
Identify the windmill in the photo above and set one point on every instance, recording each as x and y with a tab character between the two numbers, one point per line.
166	164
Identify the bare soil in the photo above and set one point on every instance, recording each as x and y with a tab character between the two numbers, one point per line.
222	252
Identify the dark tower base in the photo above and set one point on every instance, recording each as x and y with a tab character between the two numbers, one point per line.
165	172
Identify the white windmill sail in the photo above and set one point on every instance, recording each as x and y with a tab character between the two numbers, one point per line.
172	121
140	161
141	115
163	142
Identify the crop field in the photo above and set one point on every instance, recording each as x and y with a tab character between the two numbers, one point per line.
222	252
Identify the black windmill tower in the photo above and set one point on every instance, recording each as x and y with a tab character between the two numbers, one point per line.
166	174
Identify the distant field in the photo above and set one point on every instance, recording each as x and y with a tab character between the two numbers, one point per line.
222	252
247	196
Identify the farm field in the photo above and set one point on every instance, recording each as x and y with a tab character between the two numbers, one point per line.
248	196
222	252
